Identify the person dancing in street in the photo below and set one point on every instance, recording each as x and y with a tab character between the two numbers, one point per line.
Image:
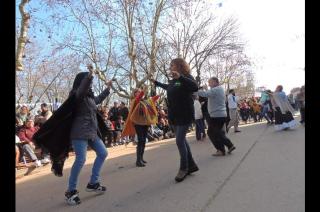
218	114
143	113
282	110
84	132
181	111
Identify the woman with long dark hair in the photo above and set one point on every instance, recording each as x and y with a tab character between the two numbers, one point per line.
84	132
181	111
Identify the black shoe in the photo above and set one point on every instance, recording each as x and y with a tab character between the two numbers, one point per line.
193	169
96	188
140	164
143	161
237	131
72	197
181	175
231	149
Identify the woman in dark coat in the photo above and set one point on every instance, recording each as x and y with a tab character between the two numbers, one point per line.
181	111
84	132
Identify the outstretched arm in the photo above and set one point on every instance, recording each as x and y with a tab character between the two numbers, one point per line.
98	99
161	85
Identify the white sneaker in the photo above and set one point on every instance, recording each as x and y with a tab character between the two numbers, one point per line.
38	163
45	161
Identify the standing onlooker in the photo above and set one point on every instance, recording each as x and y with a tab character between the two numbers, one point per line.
123	111
233	111
200	133
114	112
218	114
181	111
204	109
301	103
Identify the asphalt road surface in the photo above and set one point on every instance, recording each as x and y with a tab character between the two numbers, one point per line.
266	173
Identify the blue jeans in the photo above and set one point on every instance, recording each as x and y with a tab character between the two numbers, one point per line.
264	112
80	149
199	128
186	159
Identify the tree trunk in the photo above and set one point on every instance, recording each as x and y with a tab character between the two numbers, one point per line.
25	19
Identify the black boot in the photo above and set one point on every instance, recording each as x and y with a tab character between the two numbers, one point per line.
139	162
142	152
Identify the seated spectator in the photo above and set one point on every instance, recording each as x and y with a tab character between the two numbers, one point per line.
44	115
124	111
22	115
118	127
25	135
164	126
110	129
17	151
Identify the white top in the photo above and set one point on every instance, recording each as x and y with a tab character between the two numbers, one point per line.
17	140
232	101
197	110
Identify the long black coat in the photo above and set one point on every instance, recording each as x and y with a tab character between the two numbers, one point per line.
54	135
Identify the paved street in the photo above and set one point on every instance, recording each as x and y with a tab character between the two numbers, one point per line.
266	173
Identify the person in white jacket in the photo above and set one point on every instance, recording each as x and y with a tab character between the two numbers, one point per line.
198	116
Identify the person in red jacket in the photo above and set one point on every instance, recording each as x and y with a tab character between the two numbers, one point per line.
25	135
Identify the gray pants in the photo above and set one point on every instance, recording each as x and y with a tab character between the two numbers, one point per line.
29	150
234	119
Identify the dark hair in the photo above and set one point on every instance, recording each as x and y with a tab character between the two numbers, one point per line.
215	79
231	90
44	105
77	81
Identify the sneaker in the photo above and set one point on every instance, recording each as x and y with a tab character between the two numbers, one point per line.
45	161
72	197
181	175
37	163
96	187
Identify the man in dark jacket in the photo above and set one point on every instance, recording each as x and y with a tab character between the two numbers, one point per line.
123	111
114	112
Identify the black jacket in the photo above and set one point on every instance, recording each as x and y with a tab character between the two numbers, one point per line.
54	135
180	100
85	123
